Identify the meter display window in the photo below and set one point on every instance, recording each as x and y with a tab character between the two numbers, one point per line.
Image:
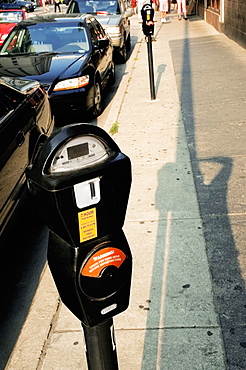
78	153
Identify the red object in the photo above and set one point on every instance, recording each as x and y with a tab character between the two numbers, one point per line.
8	19
101	259
102	12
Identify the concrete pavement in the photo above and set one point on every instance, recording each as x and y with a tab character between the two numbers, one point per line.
186	215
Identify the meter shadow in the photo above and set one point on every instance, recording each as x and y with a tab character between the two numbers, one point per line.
161	349
160	70
22	259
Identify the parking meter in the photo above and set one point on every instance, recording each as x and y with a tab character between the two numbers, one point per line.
81	181
147	13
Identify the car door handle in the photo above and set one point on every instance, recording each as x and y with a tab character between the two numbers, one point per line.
20	138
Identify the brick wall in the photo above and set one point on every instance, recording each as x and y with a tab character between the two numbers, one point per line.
235	21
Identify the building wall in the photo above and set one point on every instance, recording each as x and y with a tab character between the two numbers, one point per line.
213	18
228	16
235	21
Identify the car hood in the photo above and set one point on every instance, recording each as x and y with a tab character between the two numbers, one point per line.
109	20
44	67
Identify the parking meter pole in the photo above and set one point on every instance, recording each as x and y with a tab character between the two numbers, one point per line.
81	183
151	70
100	346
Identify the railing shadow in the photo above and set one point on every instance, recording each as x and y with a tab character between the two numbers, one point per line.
212	194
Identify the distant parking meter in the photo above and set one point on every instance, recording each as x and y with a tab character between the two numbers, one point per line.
147	13
81	182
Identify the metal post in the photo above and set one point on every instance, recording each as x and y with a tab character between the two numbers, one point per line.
100	346
151	70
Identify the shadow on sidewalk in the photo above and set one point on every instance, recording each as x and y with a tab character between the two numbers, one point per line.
22	260
212	193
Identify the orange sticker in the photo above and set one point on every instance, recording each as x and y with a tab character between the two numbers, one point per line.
87	224
101	259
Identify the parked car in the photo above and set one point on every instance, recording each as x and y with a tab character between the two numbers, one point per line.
113	16
25	123
71	55
28	6
8	19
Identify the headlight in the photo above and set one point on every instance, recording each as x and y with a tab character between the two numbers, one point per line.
72	83
112	30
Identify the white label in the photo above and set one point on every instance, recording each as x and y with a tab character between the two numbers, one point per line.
87	193
108	309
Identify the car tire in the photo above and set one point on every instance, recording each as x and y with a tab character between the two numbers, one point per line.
97	99
112	74
128	43
122	54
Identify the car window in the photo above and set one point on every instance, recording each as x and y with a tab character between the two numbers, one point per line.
14	43
95	7
100	33
47	38
93	33
11	17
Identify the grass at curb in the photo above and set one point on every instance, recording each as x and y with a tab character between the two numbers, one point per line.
114	128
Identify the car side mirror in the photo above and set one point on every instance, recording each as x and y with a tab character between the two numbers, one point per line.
103	43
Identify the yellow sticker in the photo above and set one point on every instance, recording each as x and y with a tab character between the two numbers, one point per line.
87	224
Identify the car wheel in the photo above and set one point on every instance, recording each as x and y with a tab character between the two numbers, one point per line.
122	55
24	8
97	106
128	43
112	74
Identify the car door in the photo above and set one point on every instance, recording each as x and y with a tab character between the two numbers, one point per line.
100	55
106	53
16	119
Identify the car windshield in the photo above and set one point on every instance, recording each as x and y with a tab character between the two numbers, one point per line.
96	7
46	37
11	17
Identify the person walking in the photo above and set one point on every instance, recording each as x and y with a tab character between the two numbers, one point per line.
45	6
57	5
163	7
140	4
182	9
174	5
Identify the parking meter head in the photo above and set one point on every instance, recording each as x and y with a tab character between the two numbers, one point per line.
147	13
81	170
81	181
94	279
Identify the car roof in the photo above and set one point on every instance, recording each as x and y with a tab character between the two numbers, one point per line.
11	10
55	18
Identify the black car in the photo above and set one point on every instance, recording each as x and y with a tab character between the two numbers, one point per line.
25	123
71	55
28	6
113	16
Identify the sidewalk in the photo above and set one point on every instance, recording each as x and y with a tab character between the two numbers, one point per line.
186	217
